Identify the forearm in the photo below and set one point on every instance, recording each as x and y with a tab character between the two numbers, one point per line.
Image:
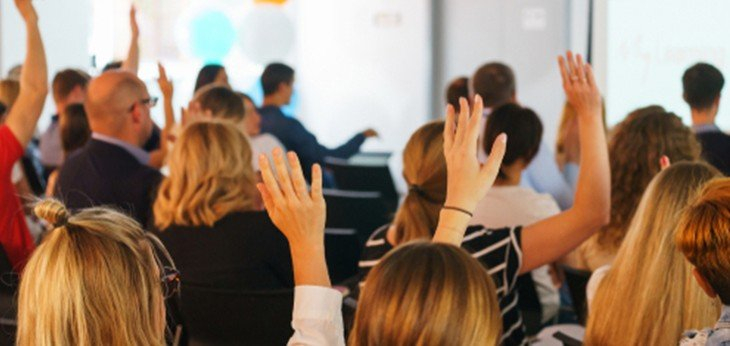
169	115
451	227
593	192
310	266
131	63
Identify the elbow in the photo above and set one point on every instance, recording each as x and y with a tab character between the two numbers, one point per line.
602	216
38	91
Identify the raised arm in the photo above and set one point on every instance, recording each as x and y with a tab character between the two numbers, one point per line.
467	180
131	63
157	157
550	239
33	79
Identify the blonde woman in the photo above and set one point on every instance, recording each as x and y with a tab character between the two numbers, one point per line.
648	296
94	280
207	216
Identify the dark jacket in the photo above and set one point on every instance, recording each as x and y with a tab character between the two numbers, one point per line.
716	149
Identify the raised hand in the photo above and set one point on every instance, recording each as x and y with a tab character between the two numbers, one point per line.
134	27
298	213
165	84
468	181
27	11
580	85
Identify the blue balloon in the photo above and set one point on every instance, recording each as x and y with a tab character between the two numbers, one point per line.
212	36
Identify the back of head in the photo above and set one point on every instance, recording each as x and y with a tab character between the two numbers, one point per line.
112	65
9	91
75	130
274	74
523	128
424	169
207	75
93	281
210	176
702	84
109	100
457	89
495	83
635	149
703	236
426	293
221	102
648	297
66	81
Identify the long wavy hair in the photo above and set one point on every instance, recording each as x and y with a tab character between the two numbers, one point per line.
210	176
425	293
95	280
649	296
635	148
424	169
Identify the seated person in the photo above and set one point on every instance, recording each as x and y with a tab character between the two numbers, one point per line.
703	85
211	74
278	83
649	276
703	236
207	216
75	132
112	169
636	146
508	204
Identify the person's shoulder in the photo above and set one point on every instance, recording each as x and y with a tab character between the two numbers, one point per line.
266	141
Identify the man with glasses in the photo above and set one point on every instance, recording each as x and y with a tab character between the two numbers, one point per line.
112	169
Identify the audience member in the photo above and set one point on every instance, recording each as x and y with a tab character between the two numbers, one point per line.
261	143
457	89
15	134
647	296
507	204
112	168
206	211
703	236
75	132
636	145
211	74
278	84
703	84
9	91
69	87
515	250
567	146
495	82
14	72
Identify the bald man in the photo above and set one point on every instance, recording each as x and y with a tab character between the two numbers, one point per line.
112	168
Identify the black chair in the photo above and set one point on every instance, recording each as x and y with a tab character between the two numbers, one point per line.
529	304
228	317
351	217
8	304
355	175
577	281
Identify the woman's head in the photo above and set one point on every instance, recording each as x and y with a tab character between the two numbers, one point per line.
95	280
9	91
649	297
524	129
424	169
75	130
210	176
211	74
457	89
426	293
635	149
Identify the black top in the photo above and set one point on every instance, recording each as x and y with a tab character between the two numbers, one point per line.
716	149
243	250
104	174
498	250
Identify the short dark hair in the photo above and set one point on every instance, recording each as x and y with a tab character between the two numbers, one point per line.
702	85
523	128
3	109
75	130
495	83
207	75
458	88
112	65
222	102
275	74
66	81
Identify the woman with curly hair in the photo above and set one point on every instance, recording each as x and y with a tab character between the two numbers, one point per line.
635	148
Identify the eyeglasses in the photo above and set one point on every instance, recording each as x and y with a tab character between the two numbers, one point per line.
149	102
170	279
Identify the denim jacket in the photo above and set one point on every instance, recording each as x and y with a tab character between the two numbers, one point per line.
719	336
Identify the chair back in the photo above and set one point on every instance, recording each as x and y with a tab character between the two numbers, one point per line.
529	304
577	281
353	176
228	317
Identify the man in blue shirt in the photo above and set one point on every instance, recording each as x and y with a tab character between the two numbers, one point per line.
278	83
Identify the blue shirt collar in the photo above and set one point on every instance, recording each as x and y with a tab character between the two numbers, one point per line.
705	128
142	156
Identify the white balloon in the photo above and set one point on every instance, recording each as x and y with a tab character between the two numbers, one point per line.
266	34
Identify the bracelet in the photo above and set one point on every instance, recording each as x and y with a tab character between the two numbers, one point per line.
458	209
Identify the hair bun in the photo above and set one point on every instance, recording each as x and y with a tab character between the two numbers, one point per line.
52	211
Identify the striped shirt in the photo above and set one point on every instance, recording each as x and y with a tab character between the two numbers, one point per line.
499	250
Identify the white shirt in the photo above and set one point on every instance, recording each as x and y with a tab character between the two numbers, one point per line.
317	317
17	173
263	144
594	282
510	206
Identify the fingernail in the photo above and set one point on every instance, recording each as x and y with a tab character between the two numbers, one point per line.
503	137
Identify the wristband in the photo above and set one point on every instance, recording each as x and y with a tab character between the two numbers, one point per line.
458	209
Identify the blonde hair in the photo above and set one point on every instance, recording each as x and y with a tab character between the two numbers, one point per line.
649	296
426	293
566	119
210	176
93	281
703	236
424	169
9	91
